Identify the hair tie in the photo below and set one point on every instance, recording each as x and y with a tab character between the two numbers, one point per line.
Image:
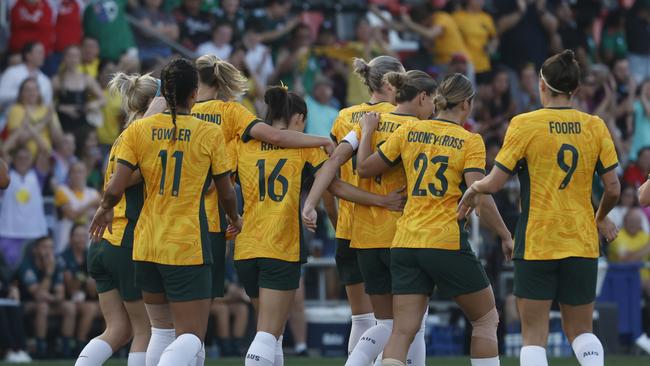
283	86
541	76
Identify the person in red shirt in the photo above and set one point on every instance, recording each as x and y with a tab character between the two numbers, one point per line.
31	21
637	173
69	29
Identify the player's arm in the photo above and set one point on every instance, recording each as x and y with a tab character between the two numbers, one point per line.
288	138
394	201
228	198
612	191
4	175
329	202
113	193
491	217
644	193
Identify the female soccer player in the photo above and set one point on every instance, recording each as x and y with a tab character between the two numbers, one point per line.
555	151
374	227
109	261
430	246
269	250
382	97
177	155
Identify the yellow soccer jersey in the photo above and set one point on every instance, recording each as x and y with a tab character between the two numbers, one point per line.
127	211
435	155
346	120
374	227
172	228
555	153
234	120
271	180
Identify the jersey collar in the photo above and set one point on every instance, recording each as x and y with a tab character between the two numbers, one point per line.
403	114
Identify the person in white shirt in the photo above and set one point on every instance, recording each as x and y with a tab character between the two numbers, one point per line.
258	58
220	45
33	57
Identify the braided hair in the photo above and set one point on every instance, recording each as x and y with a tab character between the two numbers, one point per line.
179	80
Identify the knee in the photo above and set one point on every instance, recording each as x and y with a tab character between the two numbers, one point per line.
42	308
119	333
405	328
572	331
486	326
160	316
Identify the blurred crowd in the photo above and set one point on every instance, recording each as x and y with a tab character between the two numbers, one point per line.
58	120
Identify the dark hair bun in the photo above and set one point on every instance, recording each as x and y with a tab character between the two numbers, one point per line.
567	57
276	96
396	79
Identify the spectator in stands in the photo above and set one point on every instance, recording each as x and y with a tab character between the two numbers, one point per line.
112	113
480	36
68	31
253	98
75	202
613	44
522	23
273	24
30	122
31	21
220	44
154	19
258	58
625	88
80	287
105	21
90	154
4	175
497	106
628	201
195	24
296	66
77	94
41	282
438	28
33	55
12	330
22	215
230	12
320	113
637	172
89	57
527	97
597	94
64	157
641	135
633	245
298	322
638	32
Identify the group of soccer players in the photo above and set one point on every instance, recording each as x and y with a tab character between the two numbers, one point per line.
169	206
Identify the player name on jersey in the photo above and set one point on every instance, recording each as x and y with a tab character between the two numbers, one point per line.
183	134
433	139
213	118
265	146
564	127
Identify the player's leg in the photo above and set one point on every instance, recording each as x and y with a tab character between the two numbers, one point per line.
117	332
480	309
189	291
375	268
576	295
141	332
408	311
88	311
348	269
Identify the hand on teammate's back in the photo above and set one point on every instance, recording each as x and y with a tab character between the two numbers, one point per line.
395	200
369	121
102	220
607	229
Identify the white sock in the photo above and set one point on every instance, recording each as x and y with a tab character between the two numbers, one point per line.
492	361
137	359
160	339
95	353
262	350
360	323
200	357
417	353
278	360
371	344
392	362
300	347
182	351
588	349
533	356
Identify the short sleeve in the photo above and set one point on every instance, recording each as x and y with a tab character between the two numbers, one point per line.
126	147
314	158
338	130
513	149
475	155
245	122
489	22
221	163
60	198
607	158
391	150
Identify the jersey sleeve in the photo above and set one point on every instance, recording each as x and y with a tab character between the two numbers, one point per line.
339	130
391	150
245	121
513	149
475	155
607	158
216	149
126	147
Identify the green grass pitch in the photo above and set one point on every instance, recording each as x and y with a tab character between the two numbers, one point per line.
433	361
